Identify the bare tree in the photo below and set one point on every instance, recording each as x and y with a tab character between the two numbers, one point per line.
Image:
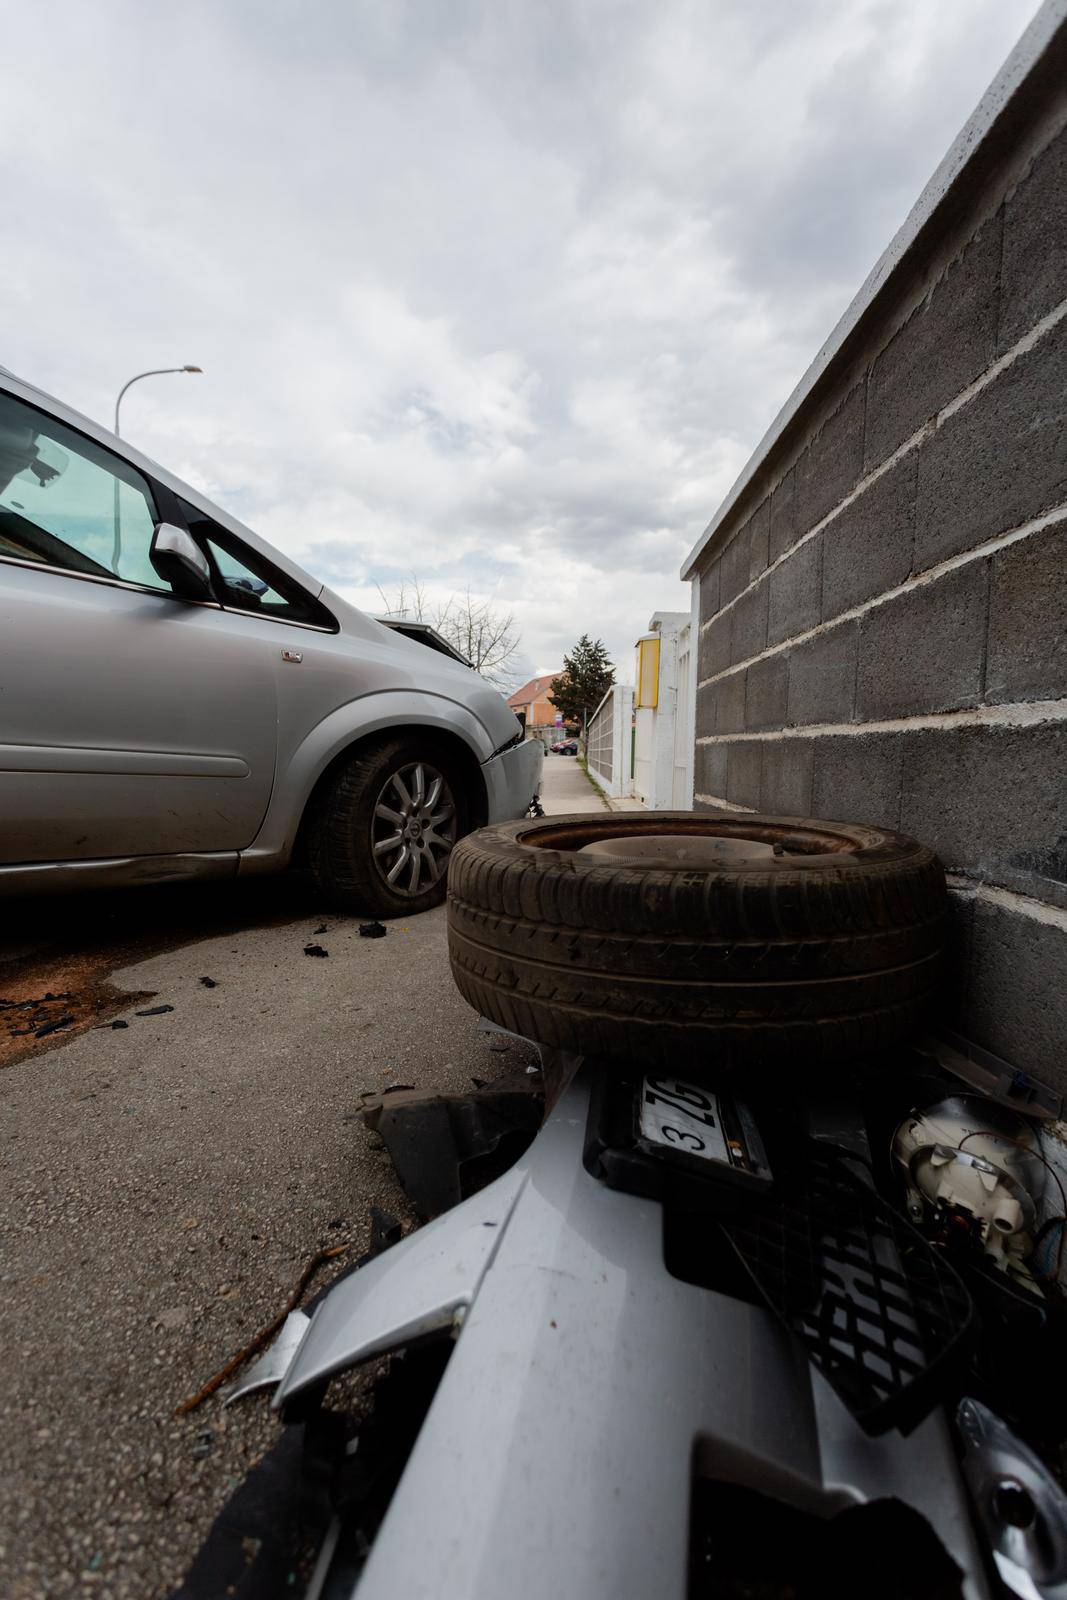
480	632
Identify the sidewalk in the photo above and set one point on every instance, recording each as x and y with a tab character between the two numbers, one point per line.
567	789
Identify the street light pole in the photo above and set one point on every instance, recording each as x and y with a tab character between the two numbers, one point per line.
153	372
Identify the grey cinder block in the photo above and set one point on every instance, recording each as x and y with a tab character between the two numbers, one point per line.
766	693
730	703
795	602
999	461
822	676
781	516
944	345
1018	999
923	651
786	783
749	634
992	801
709	590
759	536
733	574
832	463
858	778
1035	244
705	710
1027	653
711	770
715	646
744	762
867	548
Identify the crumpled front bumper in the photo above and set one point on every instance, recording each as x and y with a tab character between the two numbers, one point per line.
512	778
585	1381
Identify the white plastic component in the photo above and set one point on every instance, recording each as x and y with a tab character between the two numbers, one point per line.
976	1160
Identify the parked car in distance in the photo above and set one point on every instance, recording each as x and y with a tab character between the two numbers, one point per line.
180	700
566	747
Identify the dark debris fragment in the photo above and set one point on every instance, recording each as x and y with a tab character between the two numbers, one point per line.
52	1027
372	930
153	1011
209	983
315	950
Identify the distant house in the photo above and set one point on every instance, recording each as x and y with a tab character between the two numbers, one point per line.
532	705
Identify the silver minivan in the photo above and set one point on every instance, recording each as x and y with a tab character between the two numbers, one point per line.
178	699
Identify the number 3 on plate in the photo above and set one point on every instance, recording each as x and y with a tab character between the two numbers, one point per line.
680	1135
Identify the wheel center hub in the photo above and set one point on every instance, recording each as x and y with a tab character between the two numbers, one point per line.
414	828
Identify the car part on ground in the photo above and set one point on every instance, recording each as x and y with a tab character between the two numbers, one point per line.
589	1369
1022	1507
444	1147
661	939
385	826
584	1326
270	1369
988	1191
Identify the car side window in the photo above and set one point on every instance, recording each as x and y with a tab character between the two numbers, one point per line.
67	502
248	582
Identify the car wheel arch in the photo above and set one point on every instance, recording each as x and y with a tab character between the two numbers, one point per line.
437	738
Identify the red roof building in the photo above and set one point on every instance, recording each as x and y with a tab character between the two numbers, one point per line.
532	702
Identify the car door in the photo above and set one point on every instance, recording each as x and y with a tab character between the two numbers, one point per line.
132	722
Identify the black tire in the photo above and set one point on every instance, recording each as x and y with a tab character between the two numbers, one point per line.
341	838
832	950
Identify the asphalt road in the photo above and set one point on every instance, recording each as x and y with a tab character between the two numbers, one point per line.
164	1183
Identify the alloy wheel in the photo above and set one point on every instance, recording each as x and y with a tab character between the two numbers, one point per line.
413	829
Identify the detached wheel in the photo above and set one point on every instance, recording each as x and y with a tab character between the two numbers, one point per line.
385	828
681	937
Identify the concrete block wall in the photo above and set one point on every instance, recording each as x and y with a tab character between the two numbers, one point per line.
883	598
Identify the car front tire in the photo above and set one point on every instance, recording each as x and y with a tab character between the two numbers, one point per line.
385	828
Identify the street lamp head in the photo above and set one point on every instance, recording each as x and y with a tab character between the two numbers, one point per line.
192	369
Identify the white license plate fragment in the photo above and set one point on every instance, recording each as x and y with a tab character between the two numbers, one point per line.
683	1117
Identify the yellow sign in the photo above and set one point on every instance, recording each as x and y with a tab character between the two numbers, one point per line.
647	694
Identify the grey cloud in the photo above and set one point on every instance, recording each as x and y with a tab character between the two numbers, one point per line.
502	293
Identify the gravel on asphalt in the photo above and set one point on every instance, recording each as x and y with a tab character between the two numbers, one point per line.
163	1186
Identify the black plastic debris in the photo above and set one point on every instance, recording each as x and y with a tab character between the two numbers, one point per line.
322	928
447	1146
252	1547
372	930
153	1011
315	950
209	983
52	1027
120	1023
385	1230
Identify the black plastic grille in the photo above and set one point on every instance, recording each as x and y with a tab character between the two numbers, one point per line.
879	1310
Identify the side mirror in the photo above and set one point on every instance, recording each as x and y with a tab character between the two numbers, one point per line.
180	562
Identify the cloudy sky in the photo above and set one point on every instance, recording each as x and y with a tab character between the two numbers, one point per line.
498	292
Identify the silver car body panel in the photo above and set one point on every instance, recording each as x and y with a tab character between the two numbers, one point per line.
273	1363
585	1385
136	725
421	1285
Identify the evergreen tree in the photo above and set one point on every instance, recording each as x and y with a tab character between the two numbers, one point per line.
586	678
